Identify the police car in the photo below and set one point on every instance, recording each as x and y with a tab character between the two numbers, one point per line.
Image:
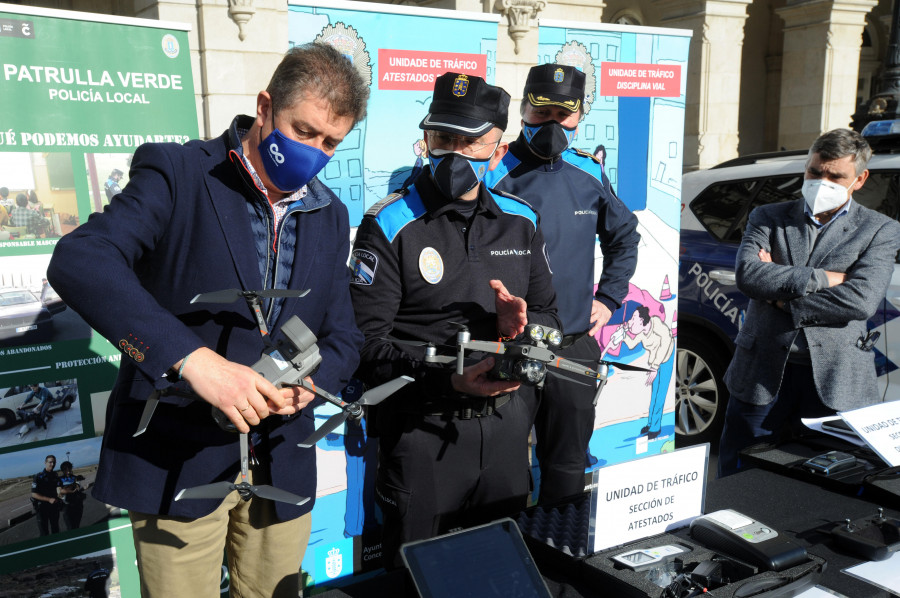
714	211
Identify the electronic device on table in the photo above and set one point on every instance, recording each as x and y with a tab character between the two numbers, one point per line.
744	538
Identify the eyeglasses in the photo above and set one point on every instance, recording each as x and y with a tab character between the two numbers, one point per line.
448	141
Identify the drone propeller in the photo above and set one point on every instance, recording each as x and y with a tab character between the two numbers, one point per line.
243	488
232	295
354	410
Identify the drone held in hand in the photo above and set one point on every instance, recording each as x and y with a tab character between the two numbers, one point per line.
286	363
528	358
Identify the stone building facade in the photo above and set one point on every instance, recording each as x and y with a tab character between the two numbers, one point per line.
763	74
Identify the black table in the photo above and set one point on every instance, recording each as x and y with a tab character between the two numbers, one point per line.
803	511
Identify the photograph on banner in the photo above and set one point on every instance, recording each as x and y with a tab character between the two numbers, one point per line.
38	410
93	575
31	312
399	50
388	45
46	491
37	197
107	176
635	131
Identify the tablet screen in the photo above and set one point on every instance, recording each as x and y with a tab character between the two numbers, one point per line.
484	562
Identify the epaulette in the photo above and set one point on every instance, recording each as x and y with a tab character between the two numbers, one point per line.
585	154
509	195
381	204
513	204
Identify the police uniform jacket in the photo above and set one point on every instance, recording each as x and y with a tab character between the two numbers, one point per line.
44	483
575	207
420	267
182	227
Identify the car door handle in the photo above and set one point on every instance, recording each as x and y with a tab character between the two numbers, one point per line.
723	276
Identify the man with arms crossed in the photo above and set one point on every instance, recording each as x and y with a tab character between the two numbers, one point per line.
242	211
815	269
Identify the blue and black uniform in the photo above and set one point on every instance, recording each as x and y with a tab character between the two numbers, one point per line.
46	514
576	206
423	263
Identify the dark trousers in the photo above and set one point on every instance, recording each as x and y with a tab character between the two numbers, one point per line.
72	514
564	424
439	472
746	424
47	517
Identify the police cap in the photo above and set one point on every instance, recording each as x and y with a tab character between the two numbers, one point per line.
555	85
466	105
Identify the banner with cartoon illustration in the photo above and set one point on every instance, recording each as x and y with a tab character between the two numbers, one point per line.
399	50
71	122
634	124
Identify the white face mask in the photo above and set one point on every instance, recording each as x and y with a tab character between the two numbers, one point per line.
822	196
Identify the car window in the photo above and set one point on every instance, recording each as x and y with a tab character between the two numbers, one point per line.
724	208
719	206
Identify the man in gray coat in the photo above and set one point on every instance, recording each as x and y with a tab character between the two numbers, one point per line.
815	270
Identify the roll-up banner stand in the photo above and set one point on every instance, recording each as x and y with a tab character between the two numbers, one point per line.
634	119
78	93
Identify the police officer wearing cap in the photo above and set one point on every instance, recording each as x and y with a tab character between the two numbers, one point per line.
446	251
568	188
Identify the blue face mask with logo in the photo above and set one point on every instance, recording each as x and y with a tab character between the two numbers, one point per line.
548	140
456	174
290	164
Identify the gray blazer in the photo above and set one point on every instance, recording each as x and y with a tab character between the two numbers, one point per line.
862	244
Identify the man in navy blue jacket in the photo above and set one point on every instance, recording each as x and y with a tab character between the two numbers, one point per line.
241	211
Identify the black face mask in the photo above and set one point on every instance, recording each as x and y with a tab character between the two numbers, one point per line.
548	140
456	174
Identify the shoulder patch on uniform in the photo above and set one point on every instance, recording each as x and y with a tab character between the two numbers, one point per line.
363	264
404	207
513	204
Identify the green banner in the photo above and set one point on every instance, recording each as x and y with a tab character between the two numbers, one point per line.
78	94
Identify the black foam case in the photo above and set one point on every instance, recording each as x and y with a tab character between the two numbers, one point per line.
557	537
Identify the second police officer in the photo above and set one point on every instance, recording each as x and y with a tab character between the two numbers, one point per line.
447	251
567	187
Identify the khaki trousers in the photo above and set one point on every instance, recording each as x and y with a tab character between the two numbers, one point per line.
183	557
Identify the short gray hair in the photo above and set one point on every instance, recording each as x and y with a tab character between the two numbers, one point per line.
839	143
320	70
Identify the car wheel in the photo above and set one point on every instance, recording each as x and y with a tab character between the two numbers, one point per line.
700	393
67	402
7	419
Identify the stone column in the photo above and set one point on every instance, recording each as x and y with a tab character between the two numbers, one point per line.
235	47
820	67
712	97
517	48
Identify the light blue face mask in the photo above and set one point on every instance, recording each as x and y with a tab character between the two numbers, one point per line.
290	164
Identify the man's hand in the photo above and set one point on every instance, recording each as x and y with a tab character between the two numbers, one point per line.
600	315
474	381
297	397
835	278
245	397
511	312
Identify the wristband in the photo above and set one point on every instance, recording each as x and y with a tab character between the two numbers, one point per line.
181	369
